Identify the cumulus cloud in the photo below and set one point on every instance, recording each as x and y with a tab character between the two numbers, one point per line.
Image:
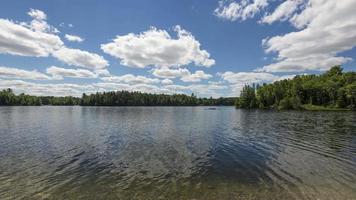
80	58
239	79
43	89
327	29
131	79
247	77
283	12
64	89
39	23
170	73
102	72
196	77
16	39
167	81
157	48
52	73
59	73
10	72
232	10
211	89
319	62
153	47
39	39
324	30
110	86
184	74
37	14
73	38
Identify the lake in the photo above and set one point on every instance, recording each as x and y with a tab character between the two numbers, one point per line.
176	153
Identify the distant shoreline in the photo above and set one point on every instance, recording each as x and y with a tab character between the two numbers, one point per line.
312	108
113	98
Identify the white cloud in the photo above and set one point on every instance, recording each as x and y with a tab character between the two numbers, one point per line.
176	88
10	72
157	48
239	79
328	28
47	89
80	58
59	73
232	10
37	14
247	77
16	39
111	86
42	89
199	89
39	39
149	89
53	73
39	23
170	73
167	81
73	38
283	12
131	79
208	89
102	72
196	77
184	74
321	62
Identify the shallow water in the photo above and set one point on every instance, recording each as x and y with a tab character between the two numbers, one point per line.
175	153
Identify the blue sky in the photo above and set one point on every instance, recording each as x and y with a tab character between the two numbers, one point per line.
209	48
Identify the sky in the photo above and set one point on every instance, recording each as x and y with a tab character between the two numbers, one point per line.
209	48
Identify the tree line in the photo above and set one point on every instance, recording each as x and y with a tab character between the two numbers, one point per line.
8	98
126	98
333	89
115	98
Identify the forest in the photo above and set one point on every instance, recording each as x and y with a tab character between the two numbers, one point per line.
125	98
331	90
8	98
118	98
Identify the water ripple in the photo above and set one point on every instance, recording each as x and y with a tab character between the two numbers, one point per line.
175	153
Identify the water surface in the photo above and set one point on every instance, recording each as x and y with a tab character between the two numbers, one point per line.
175	153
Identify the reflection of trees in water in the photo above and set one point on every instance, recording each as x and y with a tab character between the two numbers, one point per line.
123	152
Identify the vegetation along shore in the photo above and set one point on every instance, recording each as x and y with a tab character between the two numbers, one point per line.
332	90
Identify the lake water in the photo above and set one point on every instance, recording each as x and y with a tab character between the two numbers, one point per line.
176	153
